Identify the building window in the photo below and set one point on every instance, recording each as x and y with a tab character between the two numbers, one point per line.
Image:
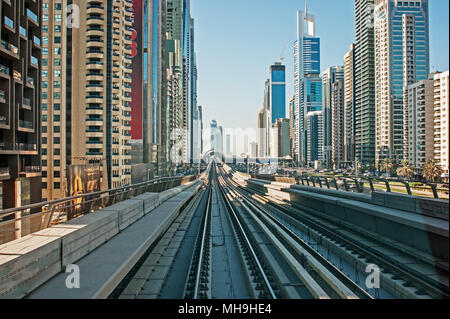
56	129
56	118
56	163
56	106
56	151
56	140
44	129
57	185
57	174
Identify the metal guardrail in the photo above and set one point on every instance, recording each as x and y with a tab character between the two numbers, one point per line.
356	184
21	221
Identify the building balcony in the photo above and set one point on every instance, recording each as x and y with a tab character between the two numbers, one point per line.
94	43
95	9
4	173
5	71
9	49
94	54
2	96
34	61
94	99
32	17
26	103
94	122
94	88
95	31
92	76
26	126
30	171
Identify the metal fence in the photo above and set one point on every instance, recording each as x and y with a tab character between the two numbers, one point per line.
21	221
356	184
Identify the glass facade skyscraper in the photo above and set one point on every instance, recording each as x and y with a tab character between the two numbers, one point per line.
308	92
278	91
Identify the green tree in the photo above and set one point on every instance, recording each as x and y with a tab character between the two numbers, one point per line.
405	170
387	166
432	170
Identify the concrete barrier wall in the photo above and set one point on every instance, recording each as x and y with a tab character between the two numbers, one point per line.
27	263
427	235
437	208
393	216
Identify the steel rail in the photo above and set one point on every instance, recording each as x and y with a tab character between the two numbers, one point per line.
383	261
356	289
202	245
248	244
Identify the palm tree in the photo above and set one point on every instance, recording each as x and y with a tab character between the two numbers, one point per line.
387	166
432	170
406	170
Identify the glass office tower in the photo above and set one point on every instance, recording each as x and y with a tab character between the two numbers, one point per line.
278	91
308	92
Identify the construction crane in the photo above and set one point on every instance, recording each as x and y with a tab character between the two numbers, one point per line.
282	52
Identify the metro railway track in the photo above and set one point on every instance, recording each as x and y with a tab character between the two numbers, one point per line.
322	278
388	267
239	243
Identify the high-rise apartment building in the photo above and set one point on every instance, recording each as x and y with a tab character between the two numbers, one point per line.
281	136
364	85
419	124
267	126
20	105
441	121
93	56
308	92
337	123
292	123
329	77
401	58
349	111
262	129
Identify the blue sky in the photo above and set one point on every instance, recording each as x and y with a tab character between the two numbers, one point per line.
237	40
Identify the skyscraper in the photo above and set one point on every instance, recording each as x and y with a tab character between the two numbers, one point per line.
364	86
337	123
278	91
262	128
329	77
91	129
308	92
401	58
441	121
291	124
20	105
282	147
419	124
349	112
